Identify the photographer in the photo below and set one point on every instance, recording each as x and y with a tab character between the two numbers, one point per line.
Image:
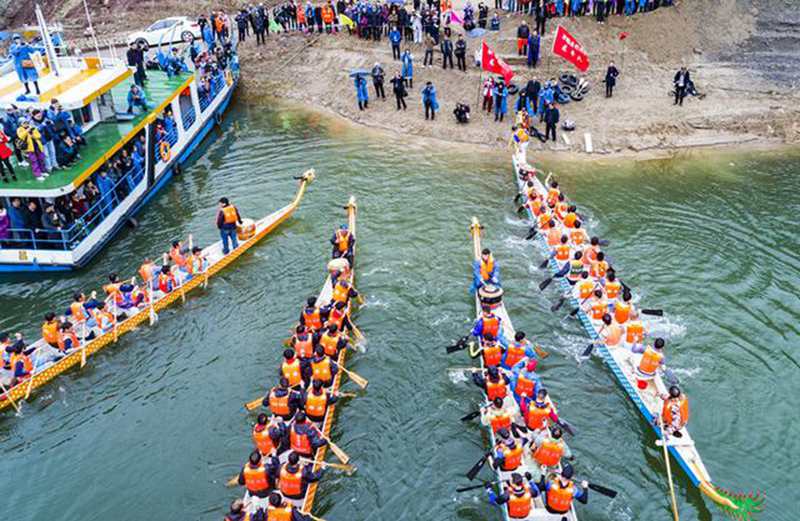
461	113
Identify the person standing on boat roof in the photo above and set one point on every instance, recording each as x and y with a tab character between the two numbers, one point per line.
559	491
485	271
135	56
517	496
227	219
22	53
343	242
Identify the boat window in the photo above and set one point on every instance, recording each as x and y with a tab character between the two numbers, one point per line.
188	114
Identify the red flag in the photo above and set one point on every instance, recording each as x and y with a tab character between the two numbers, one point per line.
623	35
566	46
491	63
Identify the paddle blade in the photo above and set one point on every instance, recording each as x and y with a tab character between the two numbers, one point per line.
560	302
470	416
531	234
340	454
541	353
653	312
520	209
574	312
457	347
603	490
477	468
588	351
233	481
567	427
517	197
359	380
604	242
544	263
473	487
546	282
255	404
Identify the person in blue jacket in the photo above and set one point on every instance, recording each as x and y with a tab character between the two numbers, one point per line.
525	370
534	41
429	100
546	97
136	98
408	69
394	39
22	53
208	37
361	92
500	95
522	345
489	324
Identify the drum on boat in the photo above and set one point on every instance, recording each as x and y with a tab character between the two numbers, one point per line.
246	230
491	296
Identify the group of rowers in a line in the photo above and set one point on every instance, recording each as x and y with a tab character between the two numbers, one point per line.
88	318
299	402
509	377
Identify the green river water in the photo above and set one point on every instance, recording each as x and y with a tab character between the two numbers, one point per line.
154	426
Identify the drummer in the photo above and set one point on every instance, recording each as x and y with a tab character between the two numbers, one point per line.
343	243
227	219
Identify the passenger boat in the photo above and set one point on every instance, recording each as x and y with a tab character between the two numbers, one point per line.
307	502
538	510
47	369
92	91
623	364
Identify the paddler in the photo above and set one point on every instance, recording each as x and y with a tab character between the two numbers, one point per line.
281	510
652	359
485	271
80	310
316	402
574	268
310	317
591	251
623	308
6	347
553	193
227	219
518	350
237	512
282	400
612	286
675	411
148	271
517	496
196	262
634	330
553	234
549	447
497	416
67	338
20	362
599	267
537	411
259	475
577	235
304	436
124	294
303	344
571	217
343	291
343	242
268	435
562	250
611	332
337	315
598	305
50	329
585	287
323	368
507	453
295	477
105	319
560	491
332	341
494	384
491	350
488	324
290	369
166	280
177	254
524	379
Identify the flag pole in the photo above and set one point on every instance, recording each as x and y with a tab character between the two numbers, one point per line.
480	85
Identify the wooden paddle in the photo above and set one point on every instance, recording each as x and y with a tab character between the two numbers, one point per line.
349	469
153	314
340	454
358	379
540	352
7	394
255	404
234	481
30	387
669	468
312	516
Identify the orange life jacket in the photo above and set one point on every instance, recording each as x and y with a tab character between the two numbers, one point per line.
544	220
301	15
613	288
577	237
262	439
283	512
327	14
62	339
255	478
279	404
316	405
599	308
519	502
559	498
311	319
562	252
304	347
570	219
104	319
561	211
549	452
291	483
27	365
177	257
651	359
78	312
622	310
336	317
536	417
613	334
634	333
330	343
341	292
524	386
299	442
512	458
499	419
536	207
342	240
229	214
496	389
291	371
491	325
515	353
146	271
492	354
487	267
585	288
598	269
681	404
50	332
552	196
553	236
322	370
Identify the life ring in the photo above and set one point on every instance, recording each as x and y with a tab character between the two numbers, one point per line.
164	151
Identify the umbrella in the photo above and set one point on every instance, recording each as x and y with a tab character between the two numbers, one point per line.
475	33
359	72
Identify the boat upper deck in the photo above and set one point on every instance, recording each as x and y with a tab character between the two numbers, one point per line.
103	139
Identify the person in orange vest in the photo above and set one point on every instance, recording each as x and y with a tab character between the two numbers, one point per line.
524	379
518	496
323	368
553	234
80	312
489	324
652	359
560	491
148	272
259	476
497	416
20	362
282	400
585	287
507	453
227	219
67	338
343	290
294	477
237	512
343	242
675	411
304	436
623	308
485	271
549	447
493	383
125	294
196	262
269	434
166	280
316	402
537	411
105	319
338	316
598	306
612	286
634	331
302	342
553	193
290	369
518	350
599	268
611	332
177	254
492	351
591	251
578	236
281	510
332	341
311	316
50	329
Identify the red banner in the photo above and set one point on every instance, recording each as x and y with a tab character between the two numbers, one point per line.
491	63
566	46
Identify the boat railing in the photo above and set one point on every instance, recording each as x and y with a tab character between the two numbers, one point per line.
188	116
69	238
